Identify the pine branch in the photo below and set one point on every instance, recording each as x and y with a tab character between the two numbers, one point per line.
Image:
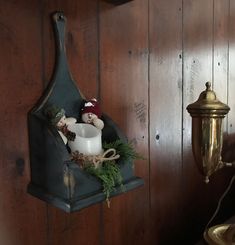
109	174
125	150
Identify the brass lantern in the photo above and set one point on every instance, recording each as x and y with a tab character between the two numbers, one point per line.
207	131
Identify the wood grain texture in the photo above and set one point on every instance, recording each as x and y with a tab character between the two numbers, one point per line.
231	65
20	214
81	45
201	37
145	60
198	43
124	96
81	42
165	118
220	51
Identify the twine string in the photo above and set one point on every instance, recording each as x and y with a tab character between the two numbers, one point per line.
97	160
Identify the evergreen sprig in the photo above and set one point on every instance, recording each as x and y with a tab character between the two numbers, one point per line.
109	174
125	150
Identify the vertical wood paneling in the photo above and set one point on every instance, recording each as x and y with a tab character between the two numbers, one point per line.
197	70
220	49
220	86
146	60
82	50
20	215
229	152
198	36
124	96
231	100
81	42
165	117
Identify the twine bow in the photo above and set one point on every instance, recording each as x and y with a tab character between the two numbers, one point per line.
97	160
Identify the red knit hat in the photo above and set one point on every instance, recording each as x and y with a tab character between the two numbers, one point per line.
92	106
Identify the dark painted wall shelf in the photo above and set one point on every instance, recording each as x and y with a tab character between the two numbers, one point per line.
49	157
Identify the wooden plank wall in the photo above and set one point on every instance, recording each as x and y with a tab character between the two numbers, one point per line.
145	61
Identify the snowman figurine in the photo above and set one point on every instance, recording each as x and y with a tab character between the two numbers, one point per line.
91	113
56	117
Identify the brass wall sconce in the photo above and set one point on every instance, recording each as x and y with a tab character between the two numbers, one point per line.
207	132
207	141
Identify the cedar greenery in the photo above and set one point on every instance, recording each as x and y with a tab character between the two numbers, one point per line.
125	150
109	172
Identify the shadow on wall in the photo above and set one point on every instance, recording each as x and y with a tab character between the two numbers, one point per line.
228	151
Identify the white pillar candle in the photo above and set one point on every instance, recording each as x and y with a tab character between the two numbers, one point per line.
88	139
